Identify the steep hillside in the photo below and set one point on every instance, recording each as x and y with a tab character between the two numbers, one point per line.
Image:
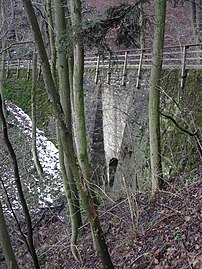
163	233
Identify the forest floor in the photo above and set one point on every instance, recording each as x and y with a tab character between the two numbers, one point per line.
165	232
162	233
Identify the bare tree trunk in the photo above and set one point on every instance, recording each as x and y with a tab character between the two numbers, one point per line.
6	243
19	189
196	12
64	89
78	95
2	74
33	105
81	141
3	56
51	37
142	26
154	97
82	184
74	209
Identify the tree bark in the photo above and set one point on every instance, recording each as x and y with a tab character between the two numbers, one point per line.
196	17
2	74
6	243
154	97
82	185
74	209
142	26
19	189
3	57
78	95
80	133
51	38
33	105
64	90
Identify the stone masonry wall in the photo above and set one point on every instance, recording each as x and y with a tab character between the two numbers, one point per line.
119	128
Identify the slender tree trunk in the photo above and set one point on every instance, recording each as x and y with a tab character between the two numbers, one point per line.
80	133
2	74
51	38
74	211
198	4
33	105
3	57
78	95
82	184
4	236
71	72
19	189
64	89
154	97
194	17
6	243
142	26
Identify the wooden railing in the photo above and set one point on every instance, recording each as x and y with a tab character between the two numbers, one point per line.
184	57
173	57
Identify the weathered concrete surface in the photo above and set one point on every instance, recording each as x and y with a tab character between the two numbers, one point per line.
117	120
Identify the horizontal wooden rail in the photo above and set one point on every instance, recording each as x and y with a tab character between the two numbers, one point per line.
178	47
172	58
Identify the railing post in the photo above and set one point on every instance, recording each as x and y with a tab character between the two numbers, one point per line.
18	69
124	75
109	70
139	69
39	73
183	70
28	70
7	70
97	69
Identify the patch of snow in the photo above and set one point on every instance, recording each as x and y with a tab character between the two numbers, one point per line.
48	199
47	152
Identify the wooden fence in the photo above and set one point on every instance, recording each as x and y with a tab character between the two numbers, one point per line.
173	57
184	57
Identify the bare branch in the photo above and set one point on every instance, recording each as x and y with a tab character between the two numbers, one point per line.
15	44
14	215
178	126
